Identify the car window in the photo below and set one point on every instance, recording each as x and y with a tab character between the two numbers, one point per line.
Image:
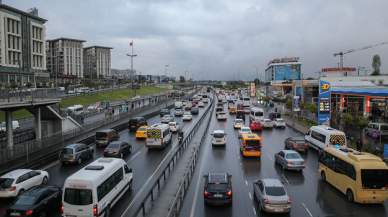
24	200
67	151
293	156
6	182
44	196
23	178
218	187
126	169
33	173
275	191
218	135
171	124
260	184
101	135
114	146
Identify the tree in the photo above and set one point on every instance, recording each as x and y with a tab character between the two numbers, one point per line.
28	85
143	79
289	103
376	64
361	123
310	78
256	81
347	118
100	76
44	85
13	85
182	79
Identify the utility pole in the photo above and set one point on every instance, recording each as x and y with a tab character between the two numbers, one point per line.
165	75
292	111
132	55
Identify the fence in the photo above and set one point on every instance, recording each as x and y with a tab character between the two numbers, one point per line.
25	95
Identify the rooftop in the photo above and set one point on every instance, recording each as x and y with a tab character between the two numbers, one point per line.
97	46
62	38
3	6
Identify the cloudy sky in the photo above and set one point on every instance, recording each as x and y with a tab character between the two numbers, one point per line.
215	38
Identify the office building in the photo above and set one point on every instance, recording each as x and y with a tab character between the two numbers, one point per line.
97	62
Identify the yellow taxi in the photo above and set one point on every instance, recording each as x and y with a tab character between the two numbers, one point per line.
141	132
232	110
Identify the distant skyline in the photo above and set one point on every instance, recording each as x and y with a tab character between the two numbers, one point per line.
214	39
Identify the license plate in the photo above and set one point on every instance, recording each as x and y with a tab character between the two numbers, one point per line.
301	150
277	209
67	155
15	214
297	163
253	152
218	195
110	152
218	140
373	201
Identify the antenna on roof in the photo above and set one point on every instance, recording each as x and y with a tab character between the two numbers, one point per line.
32	11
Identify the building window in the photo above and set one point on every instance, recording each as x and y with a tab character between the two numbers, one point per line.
3	78
12	78
31	78
380	81
373	81
25	79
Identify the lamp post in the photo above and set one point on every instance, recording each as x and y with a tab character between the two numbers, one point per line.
131	55
257	76
165	79
187	85
20	78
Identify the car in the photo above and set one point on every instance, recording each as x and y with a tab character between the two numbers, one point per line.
196	100
75	153
271	196
194	110
274	115
221	116
98	104
187	116
218	188
16	182
378	110
231	101
117	149
167	118
193	104
241	97
232	110
247	109
267	123
238	123
219	109
92	108
40	200
105	137
278	122
191	98
174	126
240	114
136	122
240	106
244	130
220	104
141	132
188	106
178	112
184	102
164	112
256	125
201	104
290	160
297	144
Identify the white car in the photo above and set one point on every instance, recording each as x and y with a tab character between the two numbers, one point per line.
201	104
267	123
184	102
178	112
187	116
238	123
167	118
174	126
218	137
244	130
278	122
221	116
16	182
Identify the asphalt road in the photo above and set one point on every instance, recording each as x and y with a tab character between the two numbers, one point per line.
143	161
309	195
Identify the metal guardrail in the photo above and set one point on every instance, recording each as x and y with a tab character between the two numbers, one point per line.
25	95
183	145
19	136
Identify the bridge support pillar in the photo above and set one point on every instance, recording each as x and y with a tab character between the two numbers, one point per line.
9	129
38	124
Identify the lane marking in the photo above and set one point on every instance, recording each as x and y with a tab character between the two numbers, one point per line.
254	210
241	164
134	156
269	156
307	210
50	165
285	179
246	182
250	196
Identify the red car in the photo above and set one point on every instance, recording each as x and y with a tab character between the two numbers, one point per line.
256	125
240	106
193	104
98	104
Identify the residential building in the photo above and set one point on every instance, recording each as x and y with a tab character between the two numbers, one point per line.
97	62
22	39
64	59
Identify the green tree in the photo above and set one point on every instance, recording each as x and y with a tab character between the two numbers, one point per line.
13	85
361	123
347	118
376	64
256	81
28	85
143	79
313	108
302	105
100	76
182	79
289	103
310	78
94	75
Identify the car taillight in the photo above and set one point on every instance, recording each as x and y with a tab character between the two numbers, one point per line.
229	193
306	144
363	186
29	212
12	188
207	193
95	210
74	155
128	125
294	144
303	162
162	140
5	212
95	137
175	127
266	201
138	124
146	140
289	162
224	137
105	151
116	151
288	201
107	138
62	208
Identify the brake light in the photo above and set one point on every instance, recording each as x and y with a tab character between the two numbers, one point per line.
363	186
138	125
207	193
229	193
5	212
303	162
29	212
74	155
386	186
12	188
107	137
162	140
62	208
224	137
288	201
95	137
116	151
306	144
105	151
128	125
266	201
95	210
289	162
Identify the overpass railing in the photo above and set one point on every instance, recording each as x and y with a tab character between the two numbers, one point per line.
28	95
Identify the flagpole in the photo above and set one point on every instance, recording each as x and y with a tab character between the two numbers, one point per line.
131	74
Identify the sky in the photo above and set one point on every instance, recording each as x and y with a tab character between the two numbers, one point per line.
216	39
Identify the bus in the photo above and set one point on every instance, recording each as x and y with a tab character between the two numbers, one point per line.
250	144
246	101
361	176
205	98
233	92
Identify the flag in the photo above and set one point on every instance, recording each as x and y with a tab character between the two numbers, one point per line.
130	44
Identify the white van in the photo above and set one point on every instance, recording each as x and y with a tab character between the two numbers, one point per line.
256	114
76	109
246	101
158	136
15	126
178	105
381	128
321	136
96	188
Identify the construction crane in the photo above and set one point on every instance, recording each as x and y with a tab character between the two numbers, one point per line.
341	54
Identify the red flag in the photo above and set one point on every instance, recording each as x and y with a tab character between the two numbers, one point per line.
130	44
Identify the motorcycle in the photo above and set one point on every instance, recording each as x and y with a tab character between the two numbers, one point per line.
180	138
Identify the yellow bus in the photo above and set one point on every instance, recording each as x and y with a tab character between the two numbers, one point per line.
250	144
362	177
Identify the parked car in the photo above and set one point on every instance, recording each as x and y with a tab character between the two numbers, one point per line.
194	110
187	116
290	160
167	118
178	112
297	144
244	130
117	149
267	123
278	122
218	188
105	137
256	125
164	112
39	201
16	182
92	108
75	153
271	196
382	128
378	110
238	123
174	126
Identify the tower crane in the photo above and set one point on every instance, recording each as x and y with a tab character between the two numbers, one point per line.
341	54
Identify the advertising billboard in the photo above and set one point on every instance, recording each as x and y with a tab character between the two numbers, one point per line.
296	104
324	102
253	90
288	72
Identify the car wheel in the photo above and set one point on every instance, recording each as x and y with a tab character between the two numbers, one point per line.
276	160
130	185
260	207
42	214
20	192
79	161
323	176
284	167
107	211
45	180
349	195
91	154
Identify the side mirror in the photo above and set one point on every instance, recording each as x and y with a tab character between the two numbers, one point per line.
204	176
230	176
130	170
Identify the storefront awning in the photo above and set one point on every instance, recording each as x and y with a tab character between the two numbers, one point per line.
361	92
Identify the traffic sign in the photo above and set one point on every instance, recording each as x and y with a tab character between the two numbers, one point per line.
375	134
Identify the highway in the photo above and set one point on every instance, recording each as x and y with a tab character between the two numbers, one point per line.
144	162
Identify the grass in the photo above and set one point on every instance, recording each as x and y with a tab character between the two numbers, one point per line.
302	121
91	99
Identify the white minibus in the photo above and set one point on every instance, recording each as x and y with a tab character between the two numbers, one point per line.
246	101
256	114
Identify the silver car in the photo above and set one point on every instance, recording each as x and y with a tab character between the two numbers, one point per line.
92	108
244	130
271	196
290	160
238	123
278	122
178	112
167	118
247	110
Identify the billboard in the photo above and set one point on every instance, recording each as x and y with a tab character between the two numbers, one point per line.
288	72
324	102
296	104
253	90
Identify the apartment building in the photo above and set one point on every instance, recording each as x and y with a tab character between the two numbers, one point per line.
65	59
22	39
97	62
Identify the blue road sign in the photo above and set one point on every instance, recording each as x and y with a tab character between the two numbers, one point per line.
385	151
375	134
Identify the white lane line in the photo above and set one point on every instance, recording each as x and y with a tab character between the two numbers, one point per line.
246	182
241	164
134	156
269	156
50	165
250	196
307	210
238	157
254	210
285	179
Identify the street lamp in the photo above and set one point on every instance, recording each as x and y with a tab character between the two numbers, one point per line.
257	76
187	85
131	55
165	80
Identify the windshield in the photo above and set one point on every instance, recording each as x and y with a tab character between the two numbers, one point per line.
256	123
166	116
171	124
247	99
259	114
142	129
374	179
239	121
78	196
252	143
218	135
187	113
101	135
267	121
3	124
6	183
293	156
221	113
217	187
280	121
299	141
67	151
24	200
113	146
246	130
275	191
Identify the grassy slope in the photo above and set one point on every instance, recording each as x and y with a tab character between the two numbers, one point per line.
91	99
